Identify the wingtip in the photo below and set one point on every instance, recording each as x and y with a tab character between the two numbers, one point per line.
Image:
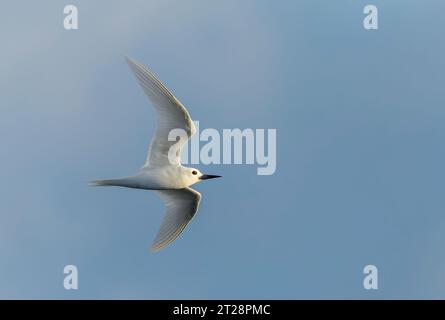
154	249
130	61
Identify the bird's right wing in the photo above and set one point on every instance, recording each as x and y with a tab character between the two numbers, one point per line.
171	114
181	205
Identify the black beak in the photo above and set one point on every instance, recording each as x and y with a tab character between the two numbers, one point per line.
208	176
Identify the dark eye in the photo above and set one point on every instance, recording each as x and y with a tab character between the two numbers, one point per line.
194	172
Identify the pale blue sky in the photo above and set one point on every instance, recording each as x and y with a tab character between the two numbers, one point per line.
360	151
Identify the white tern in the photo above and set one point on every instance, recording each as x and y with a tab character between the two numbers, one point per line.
163	172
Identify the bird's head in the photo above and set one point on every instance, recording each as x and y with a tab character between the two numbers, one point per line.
194	175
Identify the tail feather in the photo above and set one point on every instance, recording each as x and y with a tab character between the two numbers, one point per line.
101	183
128	182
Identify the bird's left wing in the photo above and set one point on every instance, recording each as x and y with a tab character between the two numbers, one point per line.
181	205
171	114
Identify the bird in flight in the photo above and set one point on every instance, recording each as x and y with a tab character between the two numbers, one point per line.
162	170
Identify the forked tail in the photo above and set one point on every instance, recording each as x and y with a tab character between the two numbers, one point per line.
101	183
128	182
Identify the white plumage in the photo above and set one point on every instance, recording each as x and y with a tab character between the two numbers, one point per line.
162	170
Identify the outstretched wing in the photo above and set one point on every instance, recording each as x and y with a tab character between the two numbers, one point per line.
182	205
171	114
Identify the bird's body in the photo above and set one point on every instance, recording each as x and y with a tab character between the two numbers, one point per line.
153	178
162	170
